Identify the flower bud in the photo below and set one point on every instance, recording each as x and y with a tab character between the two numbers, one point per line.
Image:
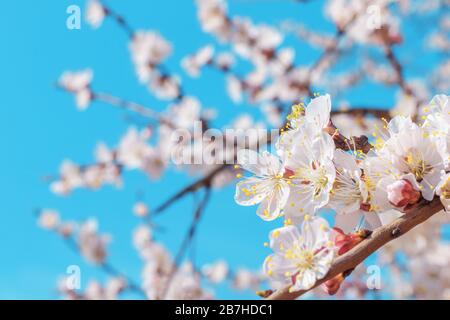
401	193
345	242
332	286
140	209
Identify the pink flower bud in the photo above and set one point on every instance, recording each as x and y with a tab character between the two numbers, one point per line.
401	193
345	242
332	286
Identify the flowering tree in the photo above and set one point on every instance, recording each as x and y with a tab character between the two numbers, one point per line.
346	180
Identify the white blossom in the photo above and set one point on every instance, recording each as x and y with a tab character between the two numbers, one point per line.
302	255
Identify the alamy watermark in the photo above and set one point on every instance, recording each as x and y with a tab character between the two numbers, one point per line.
73	21
214	146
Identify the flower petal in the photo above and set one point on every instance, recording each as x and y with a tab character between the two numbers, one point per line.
274	202
252	191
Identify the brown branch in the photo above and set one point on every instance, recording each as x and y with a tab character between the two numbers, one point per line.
131	106
119	19
190	234
364	111
372	243
107	268
196	185
398	69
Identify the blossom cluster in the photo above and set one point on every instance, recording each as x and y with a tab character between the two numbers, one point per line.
407	162
161	279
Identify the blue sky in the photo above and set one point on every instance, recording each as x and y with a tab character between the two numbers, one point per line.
40	127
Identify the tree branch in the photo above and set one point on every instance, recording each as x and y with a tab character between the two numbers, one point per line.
372	243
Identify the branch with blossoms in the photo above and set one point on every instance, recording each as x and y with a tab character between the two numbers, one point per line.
368	243
377	169
403	171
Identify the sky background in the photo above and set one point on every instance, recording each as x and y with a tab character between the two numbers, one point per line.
40	127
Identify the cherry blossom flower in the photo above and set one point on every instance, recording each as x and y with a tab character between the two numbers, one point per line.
95	13
234	88
269	187
349	190
148	49
133	149
224	60
92	245
142	236
216	272
408	152
302	255
186	285
193	64
78	83
212	15
316	115
312	171
413	151
165	87
48	219
244	279
140	209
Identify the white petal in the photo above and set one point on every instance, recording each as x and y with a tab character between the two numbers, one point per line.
284	238
348	222
252	191
271	207
347	163
372	220
304	280
318	111
263	164
315	232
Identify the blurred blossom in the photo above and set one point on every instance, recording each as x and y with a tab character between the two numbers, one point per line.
95	13
186	285
245	280
48	219
216	272
92	245
148	49
142	236
234	87
193	64
225	60
78	83
140	209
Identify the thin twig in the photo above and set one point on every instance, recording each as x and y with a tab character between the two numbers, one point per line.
107	268
190	234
